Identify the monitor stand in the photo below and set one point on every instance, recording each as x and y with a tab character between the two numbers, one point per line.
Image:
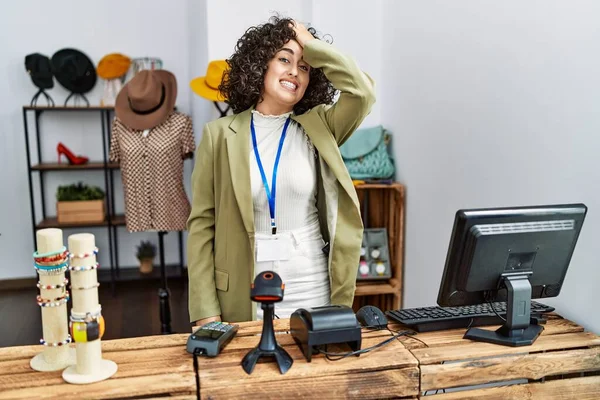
517	330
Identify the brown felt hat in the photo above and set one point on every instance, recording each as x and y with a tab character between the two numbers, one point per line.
147	99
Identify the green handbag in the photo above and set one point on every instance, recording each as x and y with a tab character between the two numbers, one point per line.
366	154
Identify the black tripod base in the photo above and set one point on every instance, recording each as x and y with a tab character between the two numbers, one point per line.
523	337
284	361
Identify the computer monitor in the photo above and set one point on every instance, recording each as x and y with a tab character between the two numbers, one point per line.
510	254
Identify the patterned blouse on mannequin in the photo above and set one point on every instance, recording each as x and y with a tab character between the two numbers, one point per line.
150	141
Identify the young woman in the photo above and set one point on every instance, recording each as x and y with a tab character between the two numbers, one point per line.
270	189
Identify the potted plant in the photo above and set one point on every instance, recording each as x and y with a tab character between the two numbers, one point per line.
79	203
145	253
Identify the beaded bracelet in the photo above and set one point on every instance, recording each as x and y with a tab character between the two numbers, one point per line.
57	271
86	287
52	264
50	253
79	317
50	287
54	303
50	267
84	255
57	344
49	259
40	299
86	268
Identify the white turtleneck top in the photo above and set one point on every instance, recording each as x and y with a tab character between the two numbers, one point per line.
295	200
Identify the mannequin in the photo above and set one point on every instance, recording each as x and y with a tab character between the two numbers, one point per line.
150	141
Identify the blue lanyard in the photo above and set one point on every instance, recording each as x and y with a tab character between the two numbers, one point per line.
270	193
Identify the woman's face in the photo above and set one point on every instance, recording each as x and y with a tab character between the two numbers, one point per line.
286	78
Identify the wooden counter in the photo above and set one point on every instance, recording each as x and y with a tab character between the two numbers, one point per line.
563	350
157	366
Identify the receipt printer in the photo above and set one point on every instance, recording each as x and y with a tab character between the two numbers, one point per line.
324	325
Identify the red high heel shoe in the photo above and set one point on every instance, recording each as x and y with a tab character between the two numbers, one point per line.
61	149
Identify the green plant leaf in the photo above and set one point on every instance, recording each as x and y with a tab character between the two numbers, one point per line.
145	250
79	192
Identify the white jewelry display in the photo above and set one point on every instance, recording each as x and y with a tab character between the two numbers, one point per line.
50	260
87	324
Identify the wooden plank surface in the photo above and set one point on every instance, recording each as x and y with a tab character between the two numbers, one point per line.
137	386
472	350
367	385
375	288
158	370
156	366
498	369
454	337
586	388
385	372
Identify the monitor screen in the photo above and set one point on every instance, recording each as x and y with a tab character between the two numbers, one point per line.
488	244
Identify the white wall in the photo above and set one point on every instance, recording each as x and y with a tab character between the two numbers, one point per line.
494	104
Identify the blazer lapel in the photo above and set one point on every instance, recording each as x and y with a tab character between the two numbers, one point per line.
238	153
328	150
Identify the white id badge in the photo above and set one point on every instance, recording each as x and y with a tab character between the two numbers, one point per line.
277	248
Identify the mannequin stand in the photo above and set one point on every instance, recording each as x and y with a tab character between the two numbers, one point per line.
76	97
163	292
36	96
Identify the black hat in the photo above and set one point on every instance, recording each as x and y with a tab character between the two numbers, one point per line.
74	70
39	68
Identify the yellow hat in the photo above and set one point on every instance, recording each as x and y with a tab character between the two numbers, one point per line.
208	86
113	66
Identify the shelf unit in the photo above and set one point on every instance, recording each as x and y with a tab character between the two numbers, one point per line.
383	206
112	220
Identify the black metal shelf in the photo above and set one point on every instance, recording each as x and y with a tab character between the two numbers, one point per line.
68	108
68	167
112	221
52	222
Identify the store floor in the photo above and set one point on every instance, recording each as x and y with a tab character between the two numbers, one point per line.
132	311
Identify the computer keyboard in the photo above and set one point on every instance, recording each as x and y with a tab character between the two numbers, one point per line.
436	318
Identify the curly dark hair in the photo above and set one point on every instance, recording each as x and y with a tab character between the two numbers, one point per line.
243	83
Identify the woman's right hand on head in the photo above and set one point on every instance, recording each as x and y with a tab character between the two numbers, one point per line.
206	320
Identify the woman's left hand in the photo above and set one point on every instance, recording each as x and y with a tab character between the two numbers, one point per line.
302	34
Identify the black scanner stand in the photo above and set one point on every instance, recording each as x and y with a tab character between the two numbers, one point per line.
268	346
324	325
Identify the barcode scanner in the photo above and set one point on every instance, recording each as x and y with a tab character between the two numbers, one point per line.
267	290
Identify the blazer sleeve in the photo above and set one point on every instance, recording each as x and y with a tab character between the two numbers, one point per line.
357	89
203	301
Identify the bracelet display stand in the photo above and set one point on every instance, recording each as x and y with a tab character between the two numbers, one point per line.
87	324
50	260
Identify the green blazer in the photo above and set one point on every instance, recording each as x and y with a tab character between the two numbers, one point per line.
220	244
